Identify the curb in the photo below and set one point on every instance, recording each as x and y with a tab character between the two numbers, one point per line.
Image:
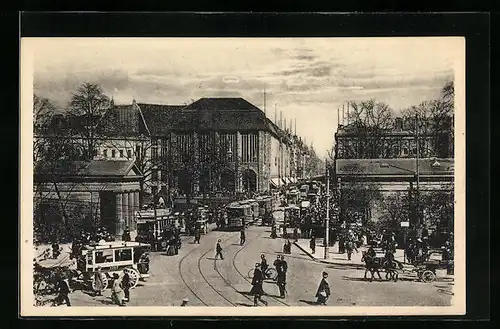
312	257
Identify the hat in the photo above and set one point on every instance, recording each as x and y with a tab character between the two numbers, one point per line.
185	300
257	264
324	273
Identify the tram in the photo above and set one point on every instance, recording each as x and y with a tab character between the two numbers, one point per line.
238	215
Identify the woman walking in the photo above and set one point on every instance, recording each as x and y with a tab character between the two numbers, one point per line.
117	293
98	282
323	292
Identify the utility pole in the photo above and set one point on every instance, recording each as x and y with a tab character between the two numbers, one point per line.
417	171
327	221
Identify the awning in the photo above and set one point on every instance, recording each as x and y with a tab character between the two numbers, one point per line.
275	182
288	180
283	180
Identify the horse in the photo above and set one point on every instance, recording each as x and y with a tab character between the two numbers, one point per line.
372	265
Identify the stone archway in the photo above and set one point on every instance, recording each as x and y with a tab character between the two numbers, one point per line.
249	180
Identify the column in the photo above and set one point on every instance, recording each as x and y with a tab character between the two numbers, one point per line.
125	209
137	206
132	210
120	225
238	174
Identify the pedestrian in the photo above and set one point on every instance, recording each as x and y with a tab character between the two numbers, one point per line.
296	234
55	249
63	290
218	250
281	282
197	236
323	292
242	237
126	285
273	232
117	291
184	302
126	235
263	264
98	282
285	233
277	264
257	281
349	247
312	244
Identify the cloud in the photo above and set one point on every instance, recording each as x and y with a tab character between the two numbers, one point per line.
306	78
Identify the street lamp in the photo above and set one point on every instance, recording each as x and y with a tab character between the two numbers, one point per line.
327	220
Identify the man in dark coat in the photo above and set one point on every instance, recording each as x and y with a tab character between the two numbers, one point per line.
197	236
126	234
281	279
277	264
126	285
63	292
296	234
242	236
257	281
218	250
312	245
323	292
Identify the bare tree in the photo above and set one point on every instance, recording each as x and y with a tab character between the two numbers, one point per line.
369	121
433	119
88	115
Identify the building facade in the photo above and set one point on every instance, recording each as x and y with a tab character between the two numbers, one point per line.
371	164
214	145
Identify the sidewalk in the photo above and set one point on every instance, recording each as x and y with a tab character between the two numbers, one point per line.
334	257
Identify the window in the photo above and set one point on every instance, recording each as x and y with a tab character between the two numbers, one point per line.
105	256
121	153
123	255
113	153
105	153
129	154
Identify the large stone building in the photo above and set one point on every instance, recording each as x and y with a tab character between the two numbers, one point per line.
216	145
74	195
387	160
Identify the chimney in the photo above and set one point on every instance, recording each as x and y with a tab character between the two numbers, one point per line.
281	120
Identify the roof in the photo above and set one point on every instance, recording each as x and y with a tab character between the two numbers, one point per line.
91	168
159	118
116	244
222	114
399	166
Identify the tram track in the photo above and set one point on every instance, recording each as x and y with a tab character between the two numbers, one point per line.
242	275
199	269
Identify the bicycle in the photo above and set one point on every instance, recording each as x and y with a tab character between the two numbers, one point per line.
270	273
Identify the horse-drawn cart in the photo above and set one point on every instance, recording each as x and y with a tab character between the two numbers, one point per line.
111	258
426	267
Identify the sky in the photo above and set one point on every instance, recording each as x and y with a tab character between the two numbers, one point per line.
307	79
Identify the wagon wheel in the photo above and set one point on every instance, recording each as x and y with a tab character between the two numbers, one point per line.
134	276
105	283
395	276
428	276
164	244
272	274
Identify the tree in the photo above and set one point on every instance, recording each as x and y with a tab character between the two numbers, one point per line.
356	195
88	113
396	206
369	121
433	118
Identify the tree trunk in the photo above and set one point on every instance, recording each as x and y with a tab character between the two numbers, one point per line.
63	209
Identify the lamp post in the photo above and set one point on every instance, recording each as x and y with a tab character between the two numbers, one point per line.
327	221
